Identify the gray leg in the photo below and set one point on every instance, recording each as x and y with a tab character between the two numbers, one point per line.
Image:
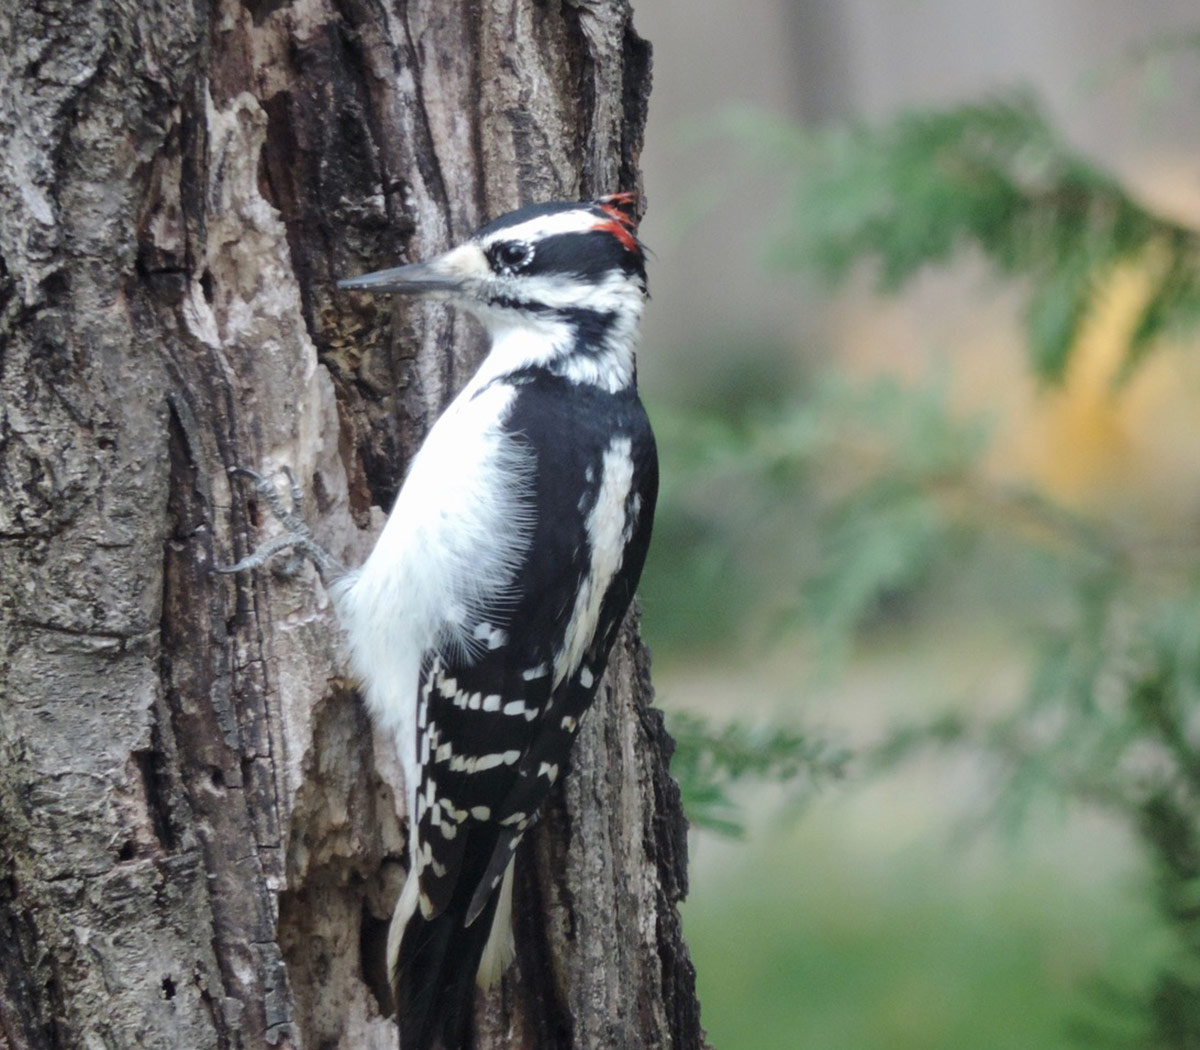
298	540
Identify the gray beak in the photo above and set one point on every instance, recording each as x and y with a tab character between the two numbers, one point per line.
454	275
417	279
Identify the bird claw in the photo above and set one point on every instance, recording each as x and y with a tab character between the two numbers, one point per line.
292	518
298	539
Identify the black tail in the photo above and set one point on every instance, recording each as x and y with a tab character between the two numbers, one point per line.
434	982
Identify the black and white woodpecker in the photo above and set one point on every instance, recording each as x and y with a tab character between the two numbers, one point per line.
482	621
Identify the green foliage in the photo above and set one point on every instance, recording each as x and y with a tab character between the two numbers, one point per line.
994	177
1111	720
885	511
835	502
881	489
710	760
873	510
816	941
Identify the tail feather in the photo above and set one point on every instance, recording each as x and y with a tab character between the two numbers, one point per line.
500	949
434	976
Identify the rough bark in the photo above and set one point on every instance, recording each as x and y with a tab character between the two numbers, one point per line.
199	842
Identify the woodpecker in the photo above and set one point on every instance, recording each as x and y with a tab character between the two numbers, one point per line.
481	623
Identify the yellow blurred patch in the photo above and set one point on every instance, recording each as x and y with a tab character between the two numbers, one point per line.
1094	438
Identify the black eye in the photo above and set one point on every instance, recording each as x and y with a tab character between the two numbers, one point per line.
510	255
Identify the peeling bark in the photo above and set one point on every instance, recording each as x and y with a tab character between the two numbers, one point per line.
199	841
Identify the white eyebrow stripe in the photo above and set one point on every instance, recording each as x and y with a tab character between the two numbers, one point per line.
578	220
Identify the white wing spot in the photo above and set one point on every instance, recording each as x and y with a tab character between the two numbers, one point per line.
485	762
443	753
514	818
535	672
549	770
585	678
509	757
481	813
447	687
515	707
492	702
569	724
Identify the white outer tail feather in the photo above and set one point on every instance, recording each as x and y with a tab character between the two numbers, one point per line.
500	949
406	905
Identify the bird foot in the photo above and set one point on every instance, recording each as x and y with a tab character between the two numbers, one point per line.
298	541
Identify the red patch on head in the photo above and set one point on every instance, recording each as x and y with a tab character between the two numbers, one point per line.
621	222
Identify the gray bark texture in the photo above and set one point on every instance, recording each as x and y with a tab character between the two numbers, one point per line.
199	841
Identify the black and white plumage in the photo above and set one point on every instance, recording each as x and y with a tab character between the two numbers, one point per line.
482	621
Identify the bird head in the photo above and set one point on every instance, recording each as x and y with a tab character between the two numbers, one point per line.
538	264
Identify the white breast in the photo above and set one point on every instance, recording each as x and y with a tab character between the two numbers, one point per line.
447	555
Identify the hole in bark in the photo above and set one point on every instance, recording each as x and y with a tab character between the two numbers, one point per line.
217	775
168	987
206	286
372	950
127	851
55	285
152	770
261	9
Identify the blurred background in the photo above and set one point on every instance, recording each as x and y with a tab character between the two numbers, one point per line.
924	599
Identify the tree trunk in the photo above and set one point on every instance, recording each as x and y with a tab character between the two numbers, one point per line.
199	840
